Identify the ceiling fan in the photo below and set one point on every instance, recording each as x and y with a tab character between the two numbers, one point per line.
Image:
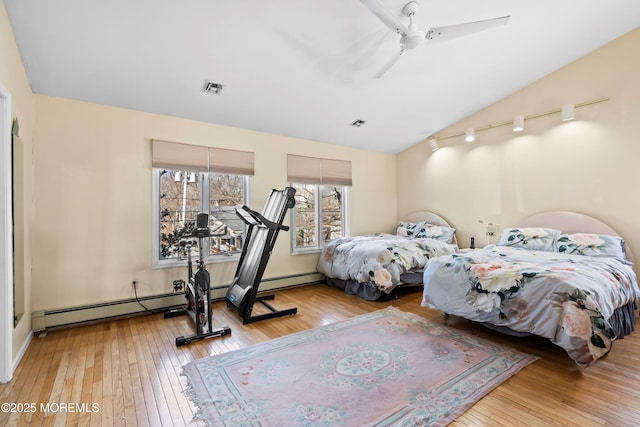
412	37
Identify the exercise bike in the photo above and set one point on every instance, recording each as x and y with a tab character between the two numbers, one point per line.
197	290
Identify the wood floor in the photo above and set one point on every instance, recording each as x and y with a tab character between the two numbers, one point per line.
126	372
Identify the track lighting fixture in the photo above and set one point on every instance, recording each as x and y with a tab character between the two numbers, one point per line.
567	110
433	143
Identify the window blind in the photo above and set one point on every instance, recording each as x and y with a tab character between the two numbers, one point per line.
231	161
170	155
314	170
173	155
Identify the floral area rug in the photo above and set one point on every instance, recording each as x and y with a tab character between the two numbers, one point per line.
386	368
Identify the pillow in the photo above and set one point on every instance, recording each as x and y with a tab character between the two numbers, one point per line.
437	232
591	245
537	239
407	229
423	230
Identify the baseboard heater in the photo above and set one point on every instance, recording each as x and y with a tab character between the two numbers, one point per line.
71	316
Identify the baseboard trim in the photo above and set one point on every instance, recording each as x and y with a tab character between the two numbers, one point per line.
22	351
70	316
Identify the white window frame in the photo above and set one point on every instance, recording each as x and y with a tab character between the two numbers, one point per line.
318	214
157	262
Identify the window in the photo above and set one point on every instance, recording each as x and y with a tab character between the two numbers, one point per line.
318	216
193	185
321	210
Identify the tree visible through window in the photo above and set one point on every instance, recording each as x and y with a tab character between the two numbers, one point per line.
225	193
183	195
319	215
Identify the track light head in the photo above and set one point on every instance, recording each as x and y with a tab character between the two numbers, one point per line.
433	143
470	135
568	112
518	123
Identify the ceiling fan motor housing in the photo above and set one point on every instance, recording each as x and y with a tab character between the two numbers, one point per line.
413	40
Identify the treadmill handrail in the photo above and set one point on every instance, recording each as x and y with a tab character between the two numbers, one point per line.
255	218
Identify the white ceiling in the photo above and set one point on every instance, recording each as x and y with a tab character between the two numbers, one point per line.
303	68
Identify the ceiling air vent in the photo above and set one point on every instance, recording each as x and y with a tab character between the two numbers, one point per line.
212	87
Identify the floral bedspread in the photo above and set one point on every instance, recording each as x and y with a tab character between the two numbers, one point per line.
379	259
565	298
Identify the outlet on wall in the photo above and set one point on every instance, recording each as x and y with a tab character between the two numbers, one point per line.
178	285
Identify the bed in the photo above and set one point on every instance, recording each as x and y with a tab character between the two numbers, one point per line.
374	266
563	276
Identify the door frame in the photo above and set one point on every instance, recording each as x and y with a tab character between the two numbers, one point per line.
6	239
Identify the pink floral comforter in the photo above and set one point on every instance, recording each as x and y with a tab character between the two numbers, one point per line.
565	298
379	259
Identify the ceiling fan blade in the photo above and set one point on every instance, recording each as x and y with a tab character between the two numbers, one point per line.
442	34
385	16
390	64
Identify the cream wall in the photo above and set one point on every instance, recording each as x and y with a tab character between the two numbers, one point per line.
589	165
14	78
92	181
94	203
